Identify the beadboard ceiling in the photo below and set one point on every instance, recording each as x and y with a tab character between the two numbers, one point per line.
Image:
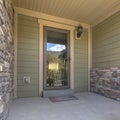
87	11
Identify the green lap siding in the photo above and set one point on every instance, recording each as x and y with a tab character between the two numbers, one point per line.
27	56
81	63
106	42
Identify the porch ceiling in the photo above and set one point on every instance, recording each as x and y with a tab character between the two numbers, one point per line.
87	11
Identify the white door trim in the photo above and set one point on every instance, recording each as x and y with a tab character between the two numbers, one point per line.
43	23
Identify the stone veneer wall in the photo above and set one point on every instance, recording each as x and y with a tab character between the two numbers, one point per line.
6	57
106	81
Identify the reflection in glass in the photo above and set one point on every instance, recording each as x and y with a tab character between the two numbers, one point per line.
56	62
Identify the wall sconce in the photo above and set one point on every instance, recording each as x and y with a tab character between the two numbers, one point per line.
78	32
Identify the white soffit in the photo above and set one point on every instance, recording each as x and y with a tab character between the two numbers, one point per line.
87	11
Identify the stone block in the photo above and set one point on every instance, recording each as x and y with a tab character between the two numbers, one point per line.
106	81
6	56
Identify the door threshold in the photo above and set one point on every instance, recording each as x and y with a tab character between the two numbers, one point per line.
56	93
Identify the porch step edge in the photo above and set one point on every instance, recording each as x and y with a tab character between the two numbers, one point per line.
56	93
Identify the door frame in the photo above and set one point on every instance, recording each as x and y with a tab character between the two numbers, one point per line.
45	29
69	28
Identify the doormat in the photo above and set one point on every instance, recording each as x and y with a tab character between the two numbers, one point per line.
63	98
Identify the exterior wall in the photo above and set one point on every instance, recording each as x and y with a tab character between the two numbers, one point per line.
105	77
106	42
25	51
81	63
27	56
6	57
106	81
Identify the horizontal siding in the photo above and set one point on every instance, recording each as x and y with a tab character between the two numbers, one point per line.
27	59
30	52
81	63
106	42
26	94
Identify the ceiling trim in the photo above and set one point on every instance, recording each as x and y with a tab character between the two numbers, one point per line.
51	18
106	15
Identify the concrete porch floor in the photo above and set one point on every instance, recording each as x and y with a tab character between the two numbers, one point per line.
90	106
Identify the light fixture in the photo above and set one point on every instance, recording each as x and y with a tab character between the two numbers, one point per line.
78	32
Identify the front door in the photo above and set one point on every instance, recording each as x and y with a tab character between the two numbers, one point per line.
56	58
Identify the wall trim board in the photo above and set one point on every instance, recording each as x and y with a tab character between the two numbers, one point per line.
15	52
49	17
40	58
89	54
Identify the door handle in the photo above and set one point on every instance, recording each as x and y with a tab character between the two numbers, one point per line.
68	59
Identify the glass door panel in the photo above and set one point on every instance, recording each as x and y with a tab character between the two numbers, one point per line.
56	62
